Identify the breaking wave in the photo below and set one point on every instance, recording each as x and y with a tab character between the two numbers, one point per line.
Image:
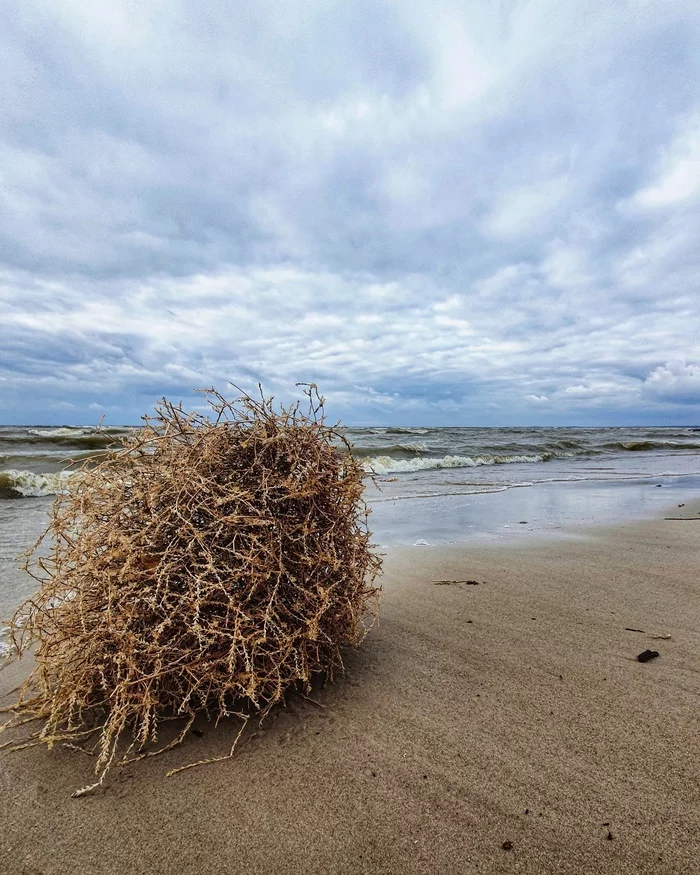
64	431
389	465
76	437
63	437
645	446
391	450
28	484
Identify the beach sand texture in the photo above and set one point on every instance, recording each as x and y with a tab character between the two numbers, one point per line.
474	715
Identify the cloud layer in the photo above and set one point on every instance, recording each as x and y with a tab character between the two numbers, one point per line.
460	213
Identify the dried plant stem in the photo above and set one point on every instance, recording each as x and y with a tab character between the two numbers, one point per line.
209	561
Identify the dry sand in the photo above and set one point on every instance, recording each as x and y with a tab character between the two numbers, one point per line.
511	711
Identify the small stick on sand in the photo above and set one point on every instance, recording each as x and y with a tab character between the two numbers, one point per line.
455	582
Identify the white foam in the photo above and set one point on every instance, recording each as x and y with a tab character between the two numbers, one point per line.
57	432
388	465
5	643
31	484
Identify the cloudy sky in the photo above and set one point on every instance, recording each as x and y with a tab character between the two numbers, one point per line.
475	212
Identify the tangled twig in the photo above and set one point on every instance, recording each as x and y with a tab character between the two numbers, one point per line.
209	561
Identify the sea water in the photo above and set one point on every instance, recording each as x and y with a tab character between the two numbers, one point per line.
424	485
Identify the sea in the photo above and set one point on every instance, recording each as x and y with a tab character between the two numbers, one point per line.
425	486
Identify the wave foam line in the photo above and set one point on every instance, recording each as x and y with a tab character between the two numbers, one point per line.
387	465
454	493
67	431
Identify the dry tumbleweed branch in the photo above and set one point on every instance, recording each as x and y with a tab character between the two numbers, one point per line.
211	563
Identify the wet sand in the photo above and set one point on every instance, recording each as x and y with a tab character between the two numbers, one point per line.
513	710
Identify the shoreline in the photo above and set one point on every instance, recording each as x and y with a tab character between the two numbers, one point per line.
523	514
509	711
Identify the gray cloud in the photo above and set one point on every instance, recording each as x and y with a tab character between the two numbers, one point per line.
467	213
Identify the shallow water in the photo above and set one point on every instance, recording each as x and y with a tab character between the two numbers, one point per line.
543	509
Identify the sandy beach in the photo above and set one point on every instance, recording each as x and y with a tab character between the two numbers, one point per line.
508	711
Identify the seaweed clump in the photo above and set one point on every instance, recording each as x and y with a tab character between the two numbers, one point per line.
209	565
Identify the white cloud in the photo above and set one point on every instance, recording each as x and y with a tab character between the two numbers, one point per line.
463	72
675	381
527	210
567	266
677	179
432	211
